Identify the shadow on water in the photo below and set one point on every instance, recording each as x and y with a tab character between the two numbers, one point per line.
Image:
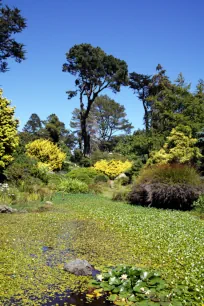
76	299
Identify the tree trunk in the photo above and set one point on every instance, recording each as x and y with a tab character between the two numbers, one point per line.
85	137
146	116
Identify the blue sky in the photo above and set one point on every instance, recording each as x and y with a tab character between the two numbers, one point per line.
143	33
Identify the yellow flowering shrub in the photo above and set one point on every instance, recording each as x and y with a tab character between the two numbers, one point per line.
8	132
113	167
47	153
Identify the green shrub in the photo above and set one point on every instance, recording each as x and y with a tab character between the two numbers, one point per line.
99	155
101	178
24	168
120	195
96	188
70	185
199	204
85	162
86	175
135	169
167	186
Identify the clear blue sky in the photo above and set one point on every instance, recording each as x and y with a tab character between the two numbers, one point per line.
143	33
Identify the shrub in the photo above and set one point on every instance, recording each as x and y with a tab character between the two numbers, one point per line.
8	132
112	168
96	188
176	196
24	168
167	186
179	147
47	153
199	204
99	155
135	169
101	178
70	185
85	162
86	175
120	195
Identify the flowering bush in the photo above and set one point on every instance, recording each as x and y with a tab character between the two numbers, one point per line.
113	167
47	153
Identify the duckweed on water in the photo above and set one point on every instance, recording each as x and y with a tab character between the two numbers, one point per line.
34	247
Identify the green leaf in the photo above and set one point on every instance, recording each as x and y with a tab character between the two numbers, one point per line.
113	297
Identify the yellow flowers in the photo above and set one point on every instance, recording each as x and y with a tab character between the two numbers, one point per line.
112	168
47	153
8	131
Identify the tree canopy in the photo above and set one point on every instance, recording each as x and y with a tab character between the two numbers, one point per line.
11	23
8	132
94	71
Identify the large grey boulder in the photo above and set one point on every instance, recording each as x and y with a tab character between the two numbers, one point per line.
79	267
6	209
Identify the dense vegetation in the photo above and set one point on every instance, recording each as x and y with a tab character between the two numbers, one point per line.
68	183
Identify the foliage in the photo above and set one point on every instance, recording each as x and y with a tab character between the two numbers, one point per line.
200	144
129	285
140	83
95	71
174	104
47	153
23	168
167	186
101	178
135	169
179	147
199	204
8	132
85	162
33	125
139	145
113	167
105	118
170	174
136	237
121	195
161	195
86	175
71	185
11	22
52	129
99	155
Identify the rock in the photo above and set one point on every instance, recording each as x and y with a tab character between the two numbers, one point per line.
122	175
79	267
6	209
48	203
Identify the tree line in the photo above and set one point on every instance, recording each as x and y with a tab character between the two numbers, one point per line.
100	122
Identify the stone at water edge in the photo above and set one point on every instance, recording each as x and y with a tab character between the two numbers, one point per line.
6	209
79	267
